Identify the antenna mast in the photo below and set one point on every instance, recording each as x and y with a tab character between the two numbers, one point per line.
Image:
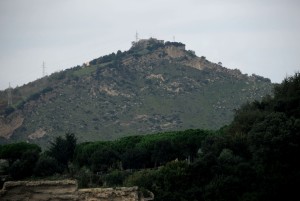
9	96
136	37
44	67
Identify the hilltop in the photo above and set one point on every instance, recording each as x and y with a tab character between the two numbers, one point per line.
155	86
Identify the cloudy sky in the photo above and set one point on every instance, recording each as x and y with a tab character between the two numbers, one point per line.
255	36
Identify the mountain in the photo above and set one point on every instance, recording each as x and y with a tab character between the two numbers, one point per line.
154	86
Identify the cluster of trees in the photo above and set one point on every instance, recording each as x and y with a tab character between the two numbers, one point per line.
253	158
25	160
113	57
64	156
139	152
21	158
176	44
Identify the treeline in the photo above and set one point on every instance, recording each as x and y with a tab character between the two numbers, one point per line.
86	160
139	152
256	157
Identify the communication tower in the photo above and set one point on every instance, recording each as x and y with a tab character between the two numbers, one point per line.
9	96
44	69
136	37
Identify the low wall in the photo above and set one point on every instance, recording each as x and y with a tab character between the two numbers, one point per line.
64	190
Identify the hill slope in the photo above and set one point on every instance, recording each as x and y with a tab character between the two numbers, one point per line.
152	87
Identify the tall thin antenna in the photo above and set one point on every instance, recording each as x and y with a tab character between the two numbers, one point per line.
136	37
9	96
44	69
173	38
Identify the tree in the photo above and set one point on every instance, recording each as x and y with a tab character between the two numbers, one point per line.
23	167
104	159
62	149
22	157
15	151
287	96
172	182
46	166
163	152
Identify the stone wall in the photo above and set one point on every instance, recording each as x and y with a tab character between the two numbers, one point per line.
65	190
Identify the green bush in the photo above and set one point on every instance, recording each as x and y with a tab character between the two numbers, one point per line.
47	166
115	178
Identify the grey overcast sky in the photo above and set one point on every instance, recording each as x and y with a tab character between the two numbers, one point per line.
255	36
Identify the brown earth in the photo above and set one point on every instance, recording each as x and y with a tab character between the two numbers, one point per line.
65	190
9	125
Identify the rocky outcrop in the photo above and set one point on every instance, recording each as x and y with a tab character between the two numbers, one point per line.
65	190
10	124
175	52
37	134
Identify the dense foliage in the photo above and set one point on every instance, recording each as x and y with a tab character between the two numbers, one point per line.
253	158
138	152
25	159
21	158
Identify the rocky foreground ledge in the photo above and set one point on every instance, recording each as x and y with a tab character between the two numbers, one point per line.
65	190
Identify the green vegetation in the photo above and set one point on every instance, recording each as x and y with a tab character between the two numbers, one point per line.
176	44
137	152
63	150
21	158
253	158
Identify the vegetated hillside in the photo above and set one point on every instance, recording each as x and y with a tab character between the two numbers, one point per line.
154	86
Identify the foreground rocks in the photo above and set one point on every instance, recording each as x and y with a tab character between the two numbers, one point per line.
65	190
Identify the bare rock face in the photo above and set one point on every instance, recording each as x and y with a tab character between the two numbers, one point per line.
65	190
9	125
